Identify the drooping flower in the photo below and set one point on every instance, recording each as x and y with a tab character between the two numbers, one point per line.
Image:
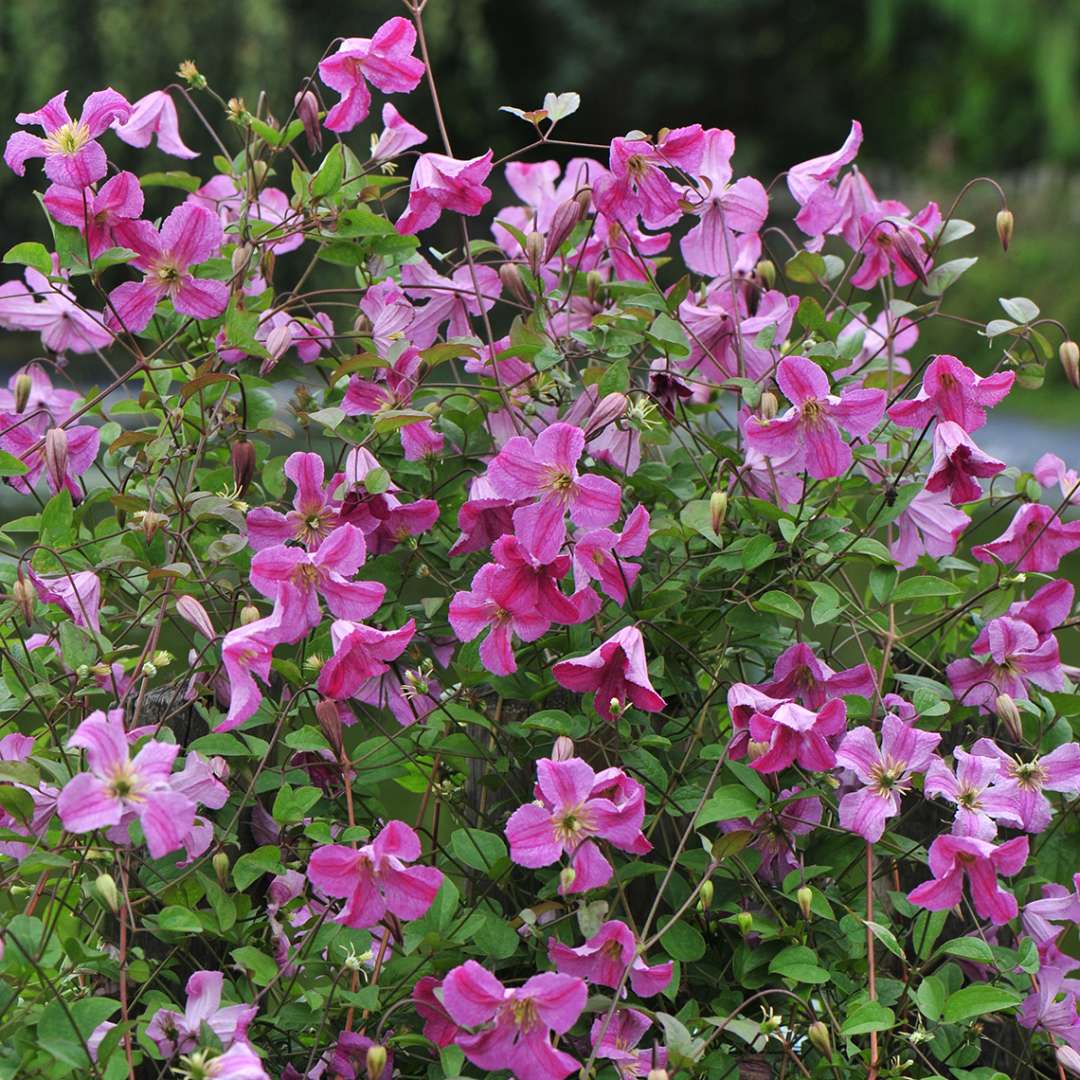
385	60
154	114
616	673
1050	470
617	1041
178	1033
350	1058
239	1062
451	300
575	807
115	783
438	1026
885	772
810	184
444	183
813	422
483	518
776	830
70	148
61	455
952	391
1025	781
798	674
957	462
49	308
1047	609
953	857
189	235
1052	1006
398	135
44	405
1036	539
602	555
973	789
374	878
790	733
604	959
513	1027
360	653
103	216
78	595
314	514
929	525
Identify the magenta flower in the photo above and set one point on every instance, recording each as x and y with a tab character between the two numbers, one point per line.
618	1039
45	406
349	1060
575	807
102	216
810	184
239	1062
281	331
444	183
483	518
398	135
78	595
548	469
314	514
360	653
886	772
1025	781
604	959
152	115
366	397
957	461
391	314
385	60
929	525
952	391
973	789
532	585
514	1027
70	148
1048	608
799	675
374	878
325	571
491	604
49	308
813	422
602	555
1036	539
61	455
116	784
791	733
776	830
190	235
451	300
1050	470
438	1027
953	857
178	1033
616	672
1016	658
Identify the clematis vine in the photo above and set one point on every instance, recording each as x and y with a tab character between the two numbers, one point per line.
607	957
178	1033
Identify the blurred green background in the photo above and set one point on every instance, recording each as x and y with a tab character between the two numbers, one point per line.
946	90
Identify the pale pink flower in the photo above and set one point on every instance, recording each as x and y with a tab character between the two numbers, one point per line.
973	789
103	216
604	959
800	675
1050	470
928	525
444	183
154	114
179	1033
315	513
78	595
49	308
398	135
1036	539
1025	781
616	1038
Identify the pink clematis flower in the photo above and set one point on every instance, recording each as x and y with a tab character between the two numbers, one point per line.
152	115
973	789
49	308
813	422
575	807
1017	657
791	733
548	469
532	585
78	595
1036	539
483	518
601	555
61	455
810	184
1052	1007
438	1027
178	1033
491	604
957	461
1025	781
616	672
952	391
398	135
239	1062
314	515
1047	609
444	183
604	959
374	878
775	832
798	674
514	1027
104	216
45	406
116	783
70	148
349	1060
450	300
1050	470
385	60
190	235
951	857
360	653
885	772
618	1039
326	571
282	331
929	525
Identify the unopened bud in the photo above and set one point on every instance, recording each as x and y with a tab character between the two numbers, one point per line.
243	465
220	862
1069	355
910	252
329	717
149	670
1004	224
191	611
24	594
609	409
804	897
705	896
56	457
278	341
376	1062
236	110
583	197
657	1074
566	878
594	282
745	922
362	325
818	1033
768	407
1069	1059
1009	715
307	109
534	251
563	221
149	522
563	750
514	284
241	256
249	613
106	888
718	503
23	385
766	270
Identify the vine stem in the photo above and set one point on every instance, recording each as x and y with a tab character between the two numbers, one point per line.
872	967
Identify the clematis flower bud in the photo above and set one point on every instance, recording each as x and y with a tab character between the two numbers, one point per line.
149	521
220	862
766	270
804	897
563	750
608	409
566	878
362	325
307	109
1004	224
241	256
910	254
1069	355
278	341
563	222
243	465
1069	1059
329	718
745	922
818	1033
249	613
191	611
594	282
534	251
513	283
768	407
106	888
24	594
56	457
657	1074
191	75
23	385
705	896
1009	715
375	1062
718	504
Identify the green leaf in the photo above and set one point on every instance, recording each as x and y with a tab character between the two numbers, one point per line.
10	465
478	849
969	948
328	179
916	588
495	937
173	179
683	942
941	277
264	969
252	866
669	335
759	550
31	254
291	805
180	919
887	938
76	646
799	963
65	1036
1019	308
979	999
780	604
806	268
930	997
727	802
867	1017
